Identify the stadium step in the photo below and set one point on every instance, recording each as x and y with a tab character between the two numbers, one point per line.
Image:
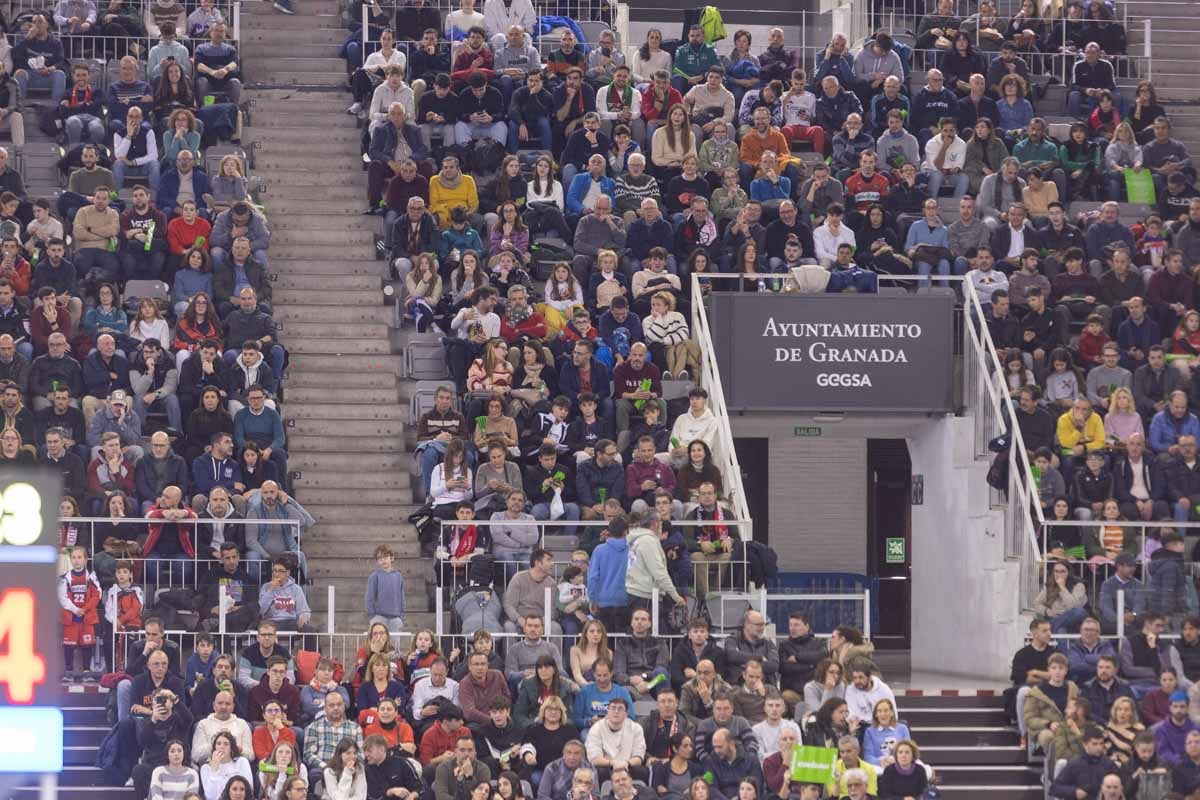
322	410
290	280
85	726
352	534
346	427
358	251
340	268
328	237
326	296
389	461
328	443
345	417
251	11
277	50
281	38
393	514
338	394
338	346
338	364
273	131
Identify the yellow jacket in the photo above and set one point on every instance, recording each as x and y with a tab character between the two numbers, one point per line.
443	198
1092	435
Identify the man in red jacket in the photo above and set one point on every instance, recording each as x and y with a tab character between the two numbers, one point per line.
171	543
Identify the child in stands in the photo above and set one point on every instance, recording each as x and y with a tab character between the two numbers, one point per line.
79	596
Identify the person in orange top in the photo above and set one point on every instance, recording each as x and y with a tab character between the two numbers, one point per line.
761	137
387	722
275	730
437	744
188	230
79	596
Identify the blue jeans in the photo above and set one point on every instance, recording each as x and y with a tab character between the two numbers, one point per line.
925	268
1068	621
539	128
56	82
78	122
1116	185
1182	514
168	404
148	171
959	182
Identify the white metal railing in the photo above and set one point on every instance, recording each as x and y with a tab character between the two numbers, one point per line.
164	572
731	469
984	372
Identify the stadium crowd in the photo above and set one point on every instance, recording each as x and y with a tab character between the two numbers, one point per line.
559	279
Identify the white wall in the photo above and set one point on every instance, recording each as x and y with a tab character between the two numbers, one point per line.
963	589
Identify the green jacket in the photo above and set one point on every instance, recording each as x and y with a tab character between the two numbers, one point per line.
690	61
1026	151
1070	165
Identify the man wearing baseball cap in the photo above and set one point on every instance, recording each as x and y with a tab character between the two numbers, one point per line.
118	417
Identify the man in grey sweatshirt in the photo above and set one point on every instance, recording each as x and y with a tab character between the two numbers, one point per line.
526	593
1106	378
966	232
522	657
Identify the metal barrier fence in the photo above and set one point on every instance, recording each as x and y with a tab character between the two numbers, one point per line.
851	609
177	575
724	569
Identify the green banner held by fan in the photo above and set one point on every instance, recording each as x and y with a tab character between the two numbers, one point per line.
813	764
1139	186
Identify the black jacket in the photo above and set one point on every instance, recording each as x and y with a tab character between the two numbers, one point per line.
807	651
1084	772
1002	240
1181	481
1088	488
223	280
395	772
1152	474
428	236
385	137
684	657
526	107
492	102
536	474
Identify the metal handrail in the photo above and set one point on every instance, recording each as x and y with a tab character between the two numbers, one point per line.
731	469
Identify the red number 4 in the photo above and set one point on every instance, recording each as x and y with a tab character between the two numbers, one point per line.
22	668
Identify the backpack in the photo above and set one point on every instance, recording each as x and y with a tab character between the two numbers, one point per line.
761	563
547	254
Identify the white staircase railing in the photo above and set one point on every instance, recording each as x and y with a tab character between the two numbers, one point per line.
986	397
710	378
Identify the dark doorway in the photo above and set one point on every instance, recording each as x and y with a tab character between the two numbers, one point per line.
754	457
890	494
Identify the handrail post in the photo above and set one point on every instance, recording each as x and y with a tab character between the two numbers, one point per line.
331	613
221	590
867	612
1147	31
237	22
439	609
547	617
1120	618
653	611
366	17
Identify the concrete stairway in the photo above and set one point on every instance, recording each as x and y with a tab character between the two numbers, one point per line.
969	744
345	422
85	728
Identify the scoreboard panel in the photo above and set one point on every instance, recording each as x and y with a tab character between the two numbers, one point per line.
31	719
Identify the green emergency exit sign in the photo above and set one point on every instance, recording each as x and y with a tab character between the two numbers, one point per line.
800	430
895	551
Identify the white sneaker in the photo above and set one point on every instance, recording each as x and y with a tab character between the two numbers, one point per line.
683	375
354	109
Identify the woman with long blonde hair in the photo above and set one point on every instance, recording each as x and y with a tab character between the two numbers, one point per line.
592	644
1122	419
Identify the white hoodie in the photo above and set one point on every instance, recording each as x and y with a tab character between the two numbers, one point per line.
688	428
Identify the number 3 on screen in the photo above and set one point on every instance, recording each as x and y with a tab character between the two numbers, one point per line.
22	668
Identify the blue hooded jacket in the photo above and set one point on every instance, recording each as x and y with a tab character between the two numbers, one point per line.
606	573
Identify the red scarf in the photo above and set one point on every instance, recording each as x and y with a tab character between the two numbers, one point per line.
706	532
78	99
462	543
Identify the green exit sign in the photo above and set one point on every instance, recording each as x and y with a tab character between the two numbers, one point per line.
895	551
800	430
